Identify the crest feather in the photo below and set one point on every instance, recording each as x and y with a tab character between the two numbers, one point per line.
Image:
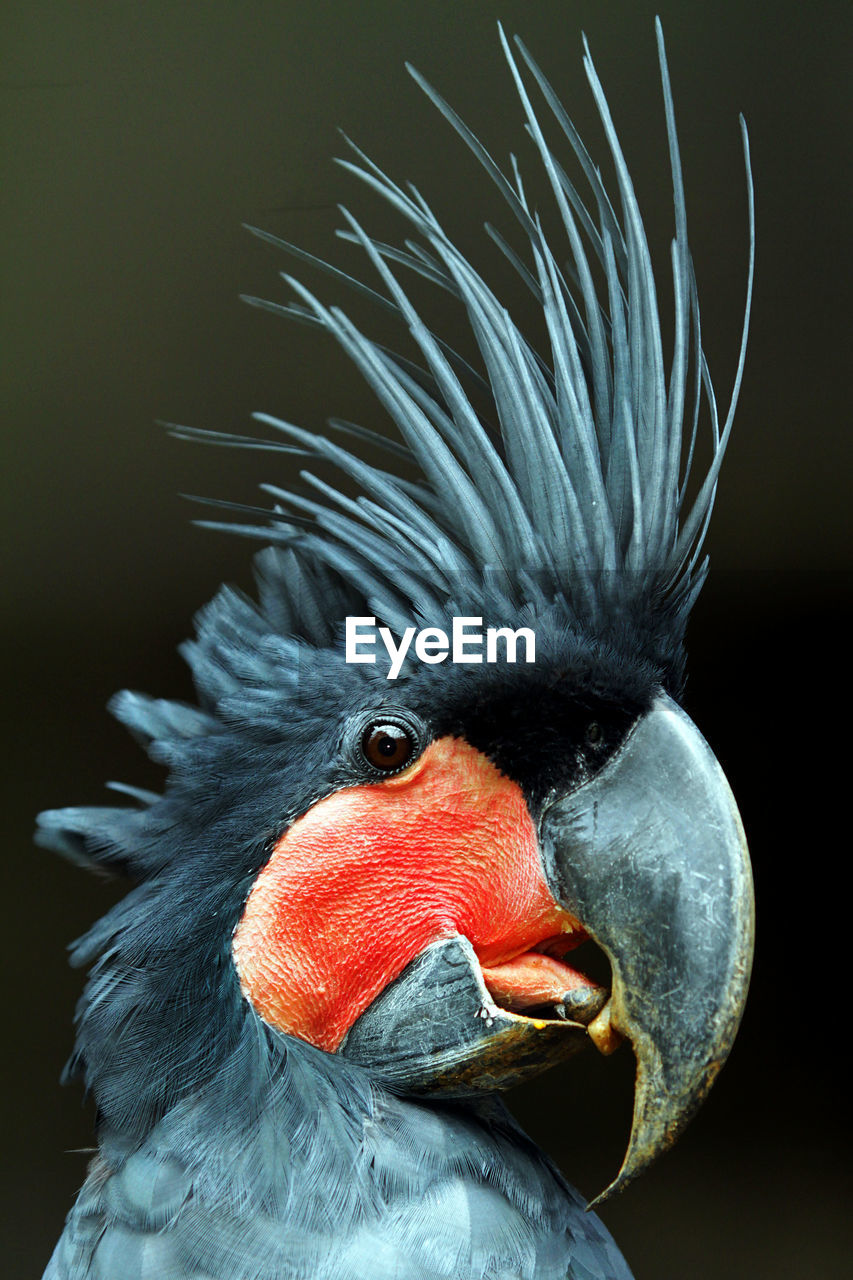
582	485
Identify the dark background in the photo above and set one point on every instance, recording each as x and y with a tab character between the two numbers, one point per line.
136	139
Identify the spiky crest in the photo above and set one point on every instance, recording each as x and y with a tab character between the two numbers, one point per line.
581	494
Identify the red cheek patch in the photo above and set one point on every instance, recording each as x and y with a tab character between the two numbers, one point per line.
370	876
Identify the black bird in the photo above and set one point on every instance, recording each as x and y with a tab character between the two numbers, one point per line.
441	750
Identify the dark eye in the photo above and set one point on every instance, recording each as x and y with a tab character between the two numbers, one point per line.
388	746
594	733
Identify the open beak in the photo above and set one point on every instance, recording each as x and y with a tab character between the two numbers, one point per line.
647	858
651	858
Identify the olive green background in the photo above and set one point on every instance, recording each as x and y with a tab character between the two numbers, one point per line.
136	139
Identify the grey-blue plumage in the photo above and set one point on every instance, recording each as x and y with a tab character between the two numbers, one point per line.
366	1186
227	1149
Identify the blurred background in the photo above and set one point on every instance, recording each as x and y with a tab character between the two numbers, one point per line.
136	139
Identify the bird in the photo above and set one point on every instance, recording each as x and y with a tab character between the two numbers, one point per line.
439	750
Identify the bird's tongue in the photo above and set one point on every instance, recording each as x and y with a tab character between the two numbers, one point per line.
536	981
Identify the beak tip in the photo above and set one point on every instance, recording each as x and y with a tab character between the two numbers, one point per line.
658	1120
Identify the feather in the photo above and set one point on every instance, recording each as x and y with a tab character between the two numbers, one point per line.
587	483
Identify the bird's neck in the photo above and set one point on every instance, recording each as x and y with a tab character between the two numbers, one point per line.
317	1137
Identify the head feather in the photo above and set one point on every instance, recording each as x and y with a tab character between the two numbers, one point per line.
583	484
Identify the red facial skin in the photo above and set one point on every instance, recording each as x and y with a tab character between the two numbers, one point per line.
370	876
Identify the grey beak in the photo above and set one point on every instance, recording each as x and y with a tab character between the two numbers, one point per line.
651	857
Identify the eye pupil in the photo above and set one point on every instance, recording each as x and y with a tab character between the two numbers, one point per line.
594	733
388	747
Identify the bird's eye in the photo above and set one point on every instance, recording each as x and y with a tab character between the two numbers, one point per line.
594	734
387	746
